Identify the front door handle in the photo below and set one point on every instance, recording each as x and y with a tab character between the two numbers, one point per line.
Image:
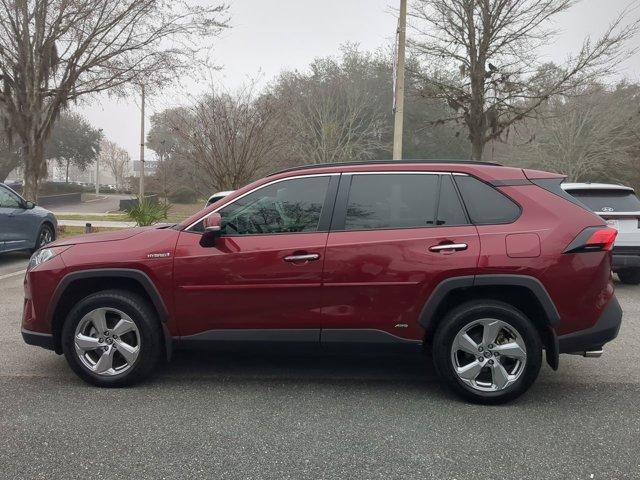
449	247
306	257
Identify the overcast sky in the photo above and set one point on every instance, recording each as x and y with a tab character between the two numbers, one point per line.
268	36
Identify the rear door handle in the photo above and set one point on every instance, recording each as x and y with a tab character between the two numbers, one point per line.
449	247
306	257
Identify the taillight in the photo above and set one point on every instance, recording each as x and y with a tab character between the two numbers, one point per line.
593	239
603	238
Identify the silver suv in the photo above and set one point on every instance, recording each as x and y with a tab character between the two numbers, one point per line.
218	196
620	207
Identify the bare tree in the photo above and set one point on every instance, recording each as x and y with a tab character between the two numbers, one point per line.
492	45
330	116
587	135
228	137
117	161
54	51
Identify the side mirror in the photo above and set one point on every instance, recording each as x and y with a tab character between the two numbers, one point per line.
212	230
29	205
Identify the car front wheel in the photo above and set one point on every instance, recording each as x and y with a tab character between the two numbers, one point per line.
112	339
45	235
487	351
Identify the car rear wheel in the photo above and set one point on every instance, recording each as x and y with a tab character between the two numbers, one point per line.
487	351
630	276
112	339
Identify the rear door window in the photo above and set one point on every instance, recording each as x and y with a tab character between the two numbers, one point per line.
604	201
389	200
485	204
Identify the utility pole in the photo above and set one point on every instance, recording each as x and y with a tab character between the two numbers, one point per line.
399	90
142	145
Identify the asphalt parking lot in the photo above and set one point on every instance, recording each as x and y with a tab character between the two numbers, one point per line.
242	415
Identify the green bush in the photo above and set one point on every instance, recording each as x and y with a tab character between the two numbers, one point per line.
147	212
183	195
57	188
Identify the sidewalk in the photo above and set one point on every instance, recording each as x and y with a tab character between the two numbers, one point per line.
93	214
96	223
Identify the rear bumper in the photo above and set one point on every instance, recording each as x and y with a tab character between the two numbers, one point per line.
605	330
622	261
44	340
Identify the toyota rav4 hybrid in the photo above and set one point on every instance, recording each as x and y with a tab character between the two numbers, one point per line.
483	265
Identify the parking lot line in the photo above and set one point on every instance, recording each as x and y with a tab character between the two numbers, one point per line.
14	274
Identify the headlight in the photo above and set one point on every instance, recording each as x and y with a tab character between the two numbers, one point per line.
44	255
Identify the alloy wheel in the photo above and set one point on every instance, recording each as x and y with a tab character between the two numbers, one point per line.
45	237
488	355
107	341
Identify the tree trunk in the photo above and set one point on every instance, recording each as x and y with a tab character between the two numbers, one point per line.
34	166
477	148
66	180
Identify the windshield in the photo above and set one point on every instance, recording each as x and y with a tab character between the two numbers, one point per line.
608	200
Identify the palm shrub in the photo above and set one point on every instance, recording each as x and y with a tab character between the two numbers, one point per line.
147	212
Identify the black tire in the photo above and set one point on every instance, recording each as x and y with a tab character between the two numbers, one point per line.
146	321
46	234
630	276
466	314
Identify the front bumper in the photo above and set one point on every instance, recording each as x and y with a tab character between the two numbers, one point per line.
44	340
605	330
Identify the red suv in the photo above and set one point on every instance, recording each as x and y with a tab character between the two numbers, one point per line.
484	265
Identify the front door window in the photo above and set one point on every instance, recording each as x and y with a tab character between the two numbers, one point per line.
8	199
290	206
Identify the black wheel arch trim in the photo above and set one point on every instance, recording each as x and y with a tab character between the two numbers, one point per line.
447	286
531	283
427	316
142	278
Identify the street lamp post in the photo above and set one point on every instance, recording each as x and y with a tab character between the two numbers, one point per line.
97	176
98	171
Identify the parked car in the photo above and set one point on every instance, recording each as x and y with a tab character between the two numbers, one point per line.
620	208
218	196
14	184
23	225
485	265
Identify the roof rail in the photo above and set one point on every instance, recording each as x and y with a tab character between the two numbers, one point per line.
380	162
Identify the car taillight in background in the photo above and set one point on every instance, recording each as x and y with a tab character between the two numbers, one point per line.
593	239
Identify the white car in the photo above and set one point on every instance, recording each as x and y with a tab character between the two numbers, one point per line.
217	196
620	207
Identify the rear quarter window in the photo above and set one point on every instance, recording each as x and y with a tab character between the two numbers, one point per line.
484	203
